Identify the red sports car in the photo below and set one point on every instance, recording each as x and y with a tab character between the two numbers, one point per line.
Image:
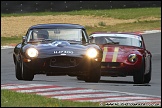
124	54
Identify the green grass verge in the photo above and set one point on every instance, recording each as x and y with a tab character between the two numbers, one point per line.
128	13
15	99
10	40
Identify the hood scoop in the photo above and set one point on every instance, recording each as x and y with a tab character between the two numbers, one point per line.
61	43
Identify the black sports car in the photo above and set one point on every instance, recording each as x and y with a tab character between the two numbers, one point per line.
57	49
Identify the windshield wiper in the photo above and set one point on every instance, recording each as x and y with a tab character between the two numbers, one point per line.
43	40
112	42
39	40
47	40
72	41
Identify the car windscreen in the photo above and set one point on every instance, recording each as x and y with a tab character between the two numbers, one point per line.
56	34
121	40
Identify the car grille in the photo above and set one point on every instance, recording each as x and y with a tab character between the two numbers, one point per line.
64	61
111	64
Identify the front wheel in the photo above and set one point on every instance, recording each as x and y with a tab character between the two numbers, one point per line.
80	77
147	77
93	76
18	71
139	75
27	74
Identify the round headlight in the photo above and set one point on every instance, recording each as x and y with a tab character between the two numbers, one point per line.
92	52
132	58
32	52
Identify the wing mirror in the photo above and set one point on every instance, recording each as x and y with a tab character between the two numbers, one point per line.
91	39
23	39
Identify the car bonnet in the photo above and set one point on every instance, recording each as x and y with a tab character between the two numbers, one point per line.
114	53
60	49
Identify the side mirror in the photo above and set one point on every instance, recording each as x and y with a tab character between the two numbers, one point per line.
23	39
91	39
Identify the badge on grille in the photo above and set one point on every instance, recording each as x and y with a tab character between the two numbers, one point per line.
63	52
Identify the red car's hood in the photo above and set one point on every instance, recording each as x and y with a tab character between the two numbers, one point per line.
113	53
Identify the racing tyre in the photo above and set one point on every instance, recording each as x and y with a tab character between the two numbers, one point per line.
93	76
27	74
80	77
139	75
147	77
18	71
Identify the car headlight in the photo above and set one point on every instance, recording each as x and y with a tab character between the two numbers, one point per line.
132	58
92	52
32	52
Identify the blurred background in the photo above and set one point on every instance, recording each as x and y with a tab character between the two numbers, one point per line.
63	6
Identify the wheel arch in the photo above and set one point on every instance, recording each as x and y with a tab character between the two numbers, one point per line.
14	58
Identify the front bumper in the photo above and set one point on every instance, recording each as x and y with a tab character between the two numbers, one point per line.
118	69
62	65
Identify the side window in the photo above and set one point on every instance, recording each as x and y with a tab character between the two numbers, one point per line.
34	35
140	44
84	37
31	35
28	35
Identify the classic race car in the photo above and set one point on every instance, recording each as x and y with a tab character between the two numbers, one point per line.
124	54
57	49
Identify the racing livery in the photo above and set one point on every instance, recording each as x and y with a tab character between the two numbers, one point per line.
124	54
57	49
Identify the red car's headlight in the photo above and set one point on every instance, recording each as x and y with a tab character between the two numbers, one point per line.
132	58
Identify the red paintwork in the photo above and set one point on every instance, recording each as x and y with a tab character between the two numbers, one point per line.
125	68
123	52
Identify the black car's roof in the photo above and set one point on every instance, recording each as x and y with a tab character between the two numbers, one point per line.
57	25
